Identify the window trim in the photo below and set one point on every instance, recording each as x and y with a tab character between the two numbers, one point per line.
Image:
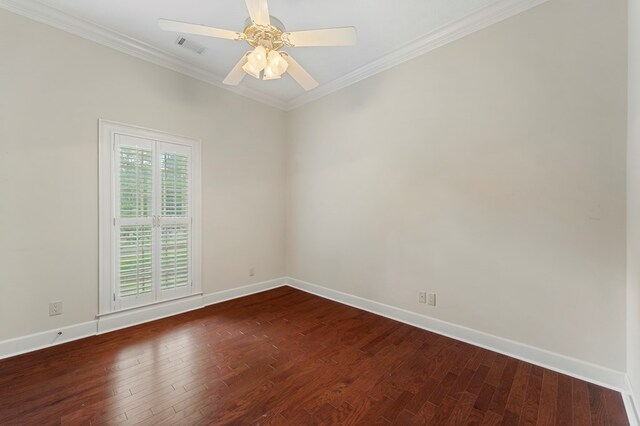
106	205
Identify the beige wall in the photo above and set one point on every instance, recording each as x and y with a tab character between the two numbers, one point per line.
633	206
490	171
53	89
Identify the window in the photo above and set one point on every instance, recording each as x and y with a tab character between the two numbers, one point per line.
149	217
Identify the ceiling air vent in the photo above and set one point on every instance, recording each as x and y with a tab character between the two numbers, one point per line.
191	45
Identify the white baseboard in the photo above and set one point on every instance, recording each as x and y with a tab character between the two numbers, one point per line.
553	361
119	320
631	404
234	293
131	317
45	339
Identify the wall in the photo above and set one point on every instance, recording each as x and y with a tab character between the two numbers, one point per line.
633	203
53	89
490	171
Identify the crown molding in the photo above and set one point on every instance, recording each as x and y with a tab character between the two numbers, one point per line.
48	15
482	18
495	12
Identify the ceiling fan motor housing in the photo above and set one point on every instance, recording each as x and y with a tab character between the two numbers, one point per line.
270	37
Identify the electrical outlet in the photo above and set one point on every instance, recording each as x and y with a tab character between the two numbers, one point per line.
252	271
55	308
423	298
432	299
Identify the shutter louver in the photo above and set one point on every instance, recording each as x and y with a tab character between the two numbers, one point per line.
174	256
136	262
175	185
136	176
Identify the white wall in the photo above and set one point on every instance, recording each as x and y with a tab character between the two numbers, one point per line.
490	171
633	200
53	89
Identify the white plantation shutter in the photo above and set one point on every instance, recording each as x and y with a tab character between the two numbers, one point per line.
175	220
152	221
136	262
134	221
136	178
174	257
135	183
174	178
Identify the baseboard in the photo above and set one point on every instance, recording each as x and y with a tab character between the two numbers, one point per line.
553	361
45	339
119	320
631	404
234	293
129	318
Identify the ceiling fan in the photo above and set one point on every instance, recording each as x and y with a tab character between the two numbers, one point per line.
267	35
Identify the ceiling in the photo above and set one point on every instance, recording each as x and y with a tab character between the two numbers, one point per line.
385	29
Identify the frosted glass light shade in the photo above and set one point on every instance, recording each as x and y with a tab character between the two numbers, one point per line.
277	62
249	69
270	73
258	58
256	62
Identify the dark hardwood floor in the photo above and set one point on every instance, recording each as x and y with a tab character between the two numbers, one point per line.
285	357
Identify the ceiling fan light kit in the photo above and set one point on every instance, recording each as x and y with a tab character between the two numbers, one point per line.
276	66
271	63
267	36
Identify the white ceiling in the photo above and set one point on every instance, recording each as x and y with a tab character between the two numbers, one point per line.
384	27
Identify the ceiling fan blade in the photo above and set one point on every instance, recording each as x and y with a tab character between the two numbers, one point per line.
344	36
259	12
186	28
237	73
299	74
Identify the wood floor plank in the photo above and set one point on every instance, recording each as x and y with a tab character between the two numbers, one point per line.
462	409
475	418
499	363
285	357
499	401
491	419
443	412
420	398
597	405
564	404
518	390
475	385
580	402
532	399
615	408
484	397
548	398
462	383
